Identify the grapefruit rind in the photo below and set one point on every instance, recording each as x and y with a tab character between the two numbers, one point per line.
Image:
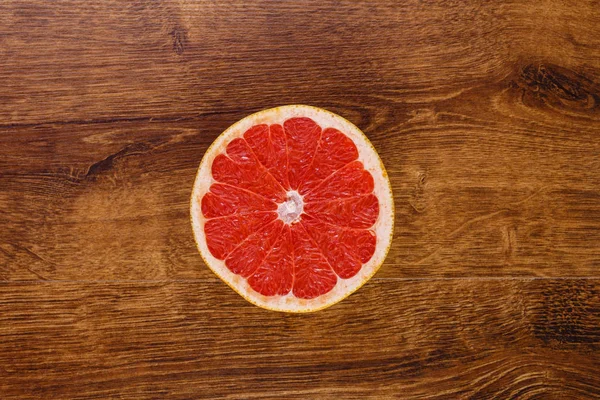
383	227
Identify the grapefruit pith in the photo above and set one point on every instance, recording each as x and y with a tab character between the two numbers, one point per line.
292	208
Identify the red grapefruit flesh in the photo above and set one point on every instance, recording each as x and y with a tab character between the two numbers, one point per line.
292	208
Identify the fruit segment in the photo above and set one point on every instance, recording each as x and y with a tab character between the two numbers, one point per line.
224	200
333	152
275	275
349	181
303	136
240	168
225	233
313	275
269	146
345	249
251	252
354	212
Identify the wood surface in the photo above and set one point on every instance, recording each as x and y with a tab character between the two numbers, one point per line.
486	115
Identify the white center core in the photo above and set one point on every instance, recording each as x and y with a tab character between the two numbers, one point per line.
289	211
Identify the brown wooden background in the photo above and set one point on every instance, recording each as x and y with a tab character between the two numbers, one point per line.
486	114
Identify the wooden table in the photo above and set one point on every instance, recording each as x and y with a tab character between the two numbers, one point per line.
486	115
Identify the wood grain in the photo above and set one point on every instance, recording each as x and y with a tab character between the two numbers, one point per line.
486	115
433	339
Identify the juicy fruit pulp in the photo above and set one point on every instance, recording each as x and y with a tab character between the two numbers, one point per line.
291	208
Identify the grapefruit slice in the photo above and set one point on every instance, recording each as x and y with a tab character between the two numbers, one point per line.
292	208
